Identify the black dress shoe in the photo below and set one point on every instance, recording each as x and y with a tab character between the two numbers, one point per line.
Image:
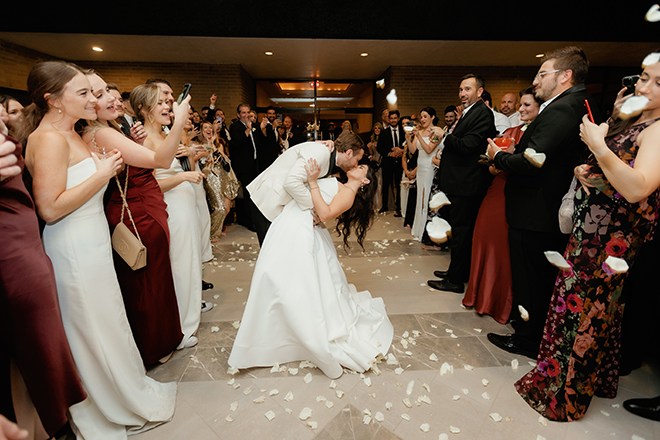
206	286
397	214
446	285
440	273
509	343
647	408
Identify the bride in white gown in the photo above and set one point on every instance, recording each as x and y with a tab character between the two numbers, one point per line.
68	187
301	306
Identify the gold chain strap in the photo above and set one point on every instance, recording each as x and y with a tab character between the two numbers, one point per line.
124	204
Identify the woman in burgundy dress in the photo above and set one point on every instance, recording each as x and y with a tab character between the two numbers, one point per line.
489	288
32	334
148	292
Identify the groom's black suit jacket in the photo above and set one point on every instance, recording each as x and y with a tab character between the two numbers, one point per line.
533	195
460	172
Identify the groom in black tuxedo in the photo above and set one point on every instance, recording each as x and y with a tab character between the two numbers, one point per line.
533	195
464	180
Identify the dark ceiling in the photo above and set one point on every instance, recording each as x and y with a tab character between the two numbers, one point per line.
343	19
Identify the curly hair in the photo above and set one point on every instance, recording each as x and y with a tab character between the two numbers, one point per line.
360	215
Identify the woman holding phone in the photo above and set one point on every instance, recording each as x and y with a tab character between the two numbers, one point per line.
149	295
68	185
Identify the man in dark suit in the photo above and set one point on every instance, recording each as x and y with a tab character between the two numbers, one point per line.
330	134
533	195
268	144
243	152
389	146
464	180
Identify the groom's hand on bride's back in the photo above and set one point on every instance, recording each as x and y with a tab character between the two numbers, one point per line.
316	218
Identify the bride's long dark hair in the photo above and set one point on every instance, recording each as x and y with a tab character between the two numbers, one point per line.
359	217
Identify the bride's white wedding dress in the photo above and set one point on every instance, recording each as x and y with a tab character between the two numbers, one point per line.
122	399
301	306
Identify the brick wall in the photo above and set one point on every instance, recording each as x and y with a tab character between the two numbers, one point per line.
231	82
436	86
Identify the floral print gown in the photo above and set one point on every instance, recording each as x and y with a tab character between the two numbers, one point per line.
579	352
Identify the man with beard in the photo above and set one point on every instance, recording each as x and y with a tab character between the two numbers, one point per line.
268	143
533	194
464	180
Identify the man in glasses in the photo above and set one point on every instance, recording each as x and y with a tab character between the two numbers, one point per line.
533	195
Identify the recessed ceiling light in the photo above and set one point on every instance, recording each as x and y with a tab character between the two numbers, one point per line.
97	49
364	54
539	55
268	53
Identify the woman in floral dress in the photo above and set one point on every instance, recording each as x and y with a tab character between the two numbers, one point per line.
615	212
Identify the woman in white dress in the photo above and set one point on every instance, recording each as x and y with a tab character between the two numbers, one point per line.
301	306
426	143
183	219
68	186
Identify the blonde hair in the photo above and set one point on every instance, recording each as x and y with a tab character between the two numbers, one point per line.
144	97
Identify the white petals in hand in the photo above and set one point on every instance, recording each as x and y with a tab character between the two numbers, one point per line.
536	159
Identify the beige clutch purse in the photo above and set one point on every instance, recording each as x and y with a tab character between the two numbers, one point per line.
129	247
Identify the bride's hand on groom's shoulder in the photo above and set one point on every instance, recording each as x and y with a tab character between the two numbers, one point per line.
329	144
313	169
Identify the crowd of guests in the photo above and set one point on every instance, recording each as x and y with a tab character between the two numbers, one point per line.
504	214
93	158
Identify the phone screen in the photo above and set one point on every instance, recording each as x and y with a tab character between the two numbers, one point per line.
184	93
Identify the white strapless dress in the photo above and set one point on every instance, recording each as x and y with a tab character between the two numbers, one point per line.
185	250
204	219
425	173
301	306
122	399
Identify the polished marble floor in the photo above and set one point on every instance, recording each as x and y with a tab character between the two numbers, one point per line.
431	328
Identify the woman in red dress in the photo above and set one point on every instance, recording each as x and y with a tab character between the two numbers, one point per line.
148	292
32	334
489	288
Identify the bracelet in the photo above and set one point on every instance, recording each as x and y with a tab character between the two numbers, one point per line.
311	188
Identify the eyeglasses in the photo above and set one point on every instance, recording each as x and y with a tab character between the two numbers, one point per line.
540	74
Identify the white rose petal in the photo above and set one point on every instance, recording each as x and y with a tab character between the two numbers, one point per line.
367	381
406	402
536	159
215	329
485	382
293	371
229	418
468	367
305	414
273	392
443	436
379	417
232	370
446	369
236	324
288	397
260	399
329	404
485	396
454	430
543	421
339	393
456	397
617	265
312	424
425	427
388	405
409	389
270	415
405	417
496	417
308	378
366	419
433	357
233	406
514	364
398	371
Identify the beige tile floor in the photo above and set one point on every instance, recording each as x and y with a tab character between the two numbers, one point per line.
205	395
